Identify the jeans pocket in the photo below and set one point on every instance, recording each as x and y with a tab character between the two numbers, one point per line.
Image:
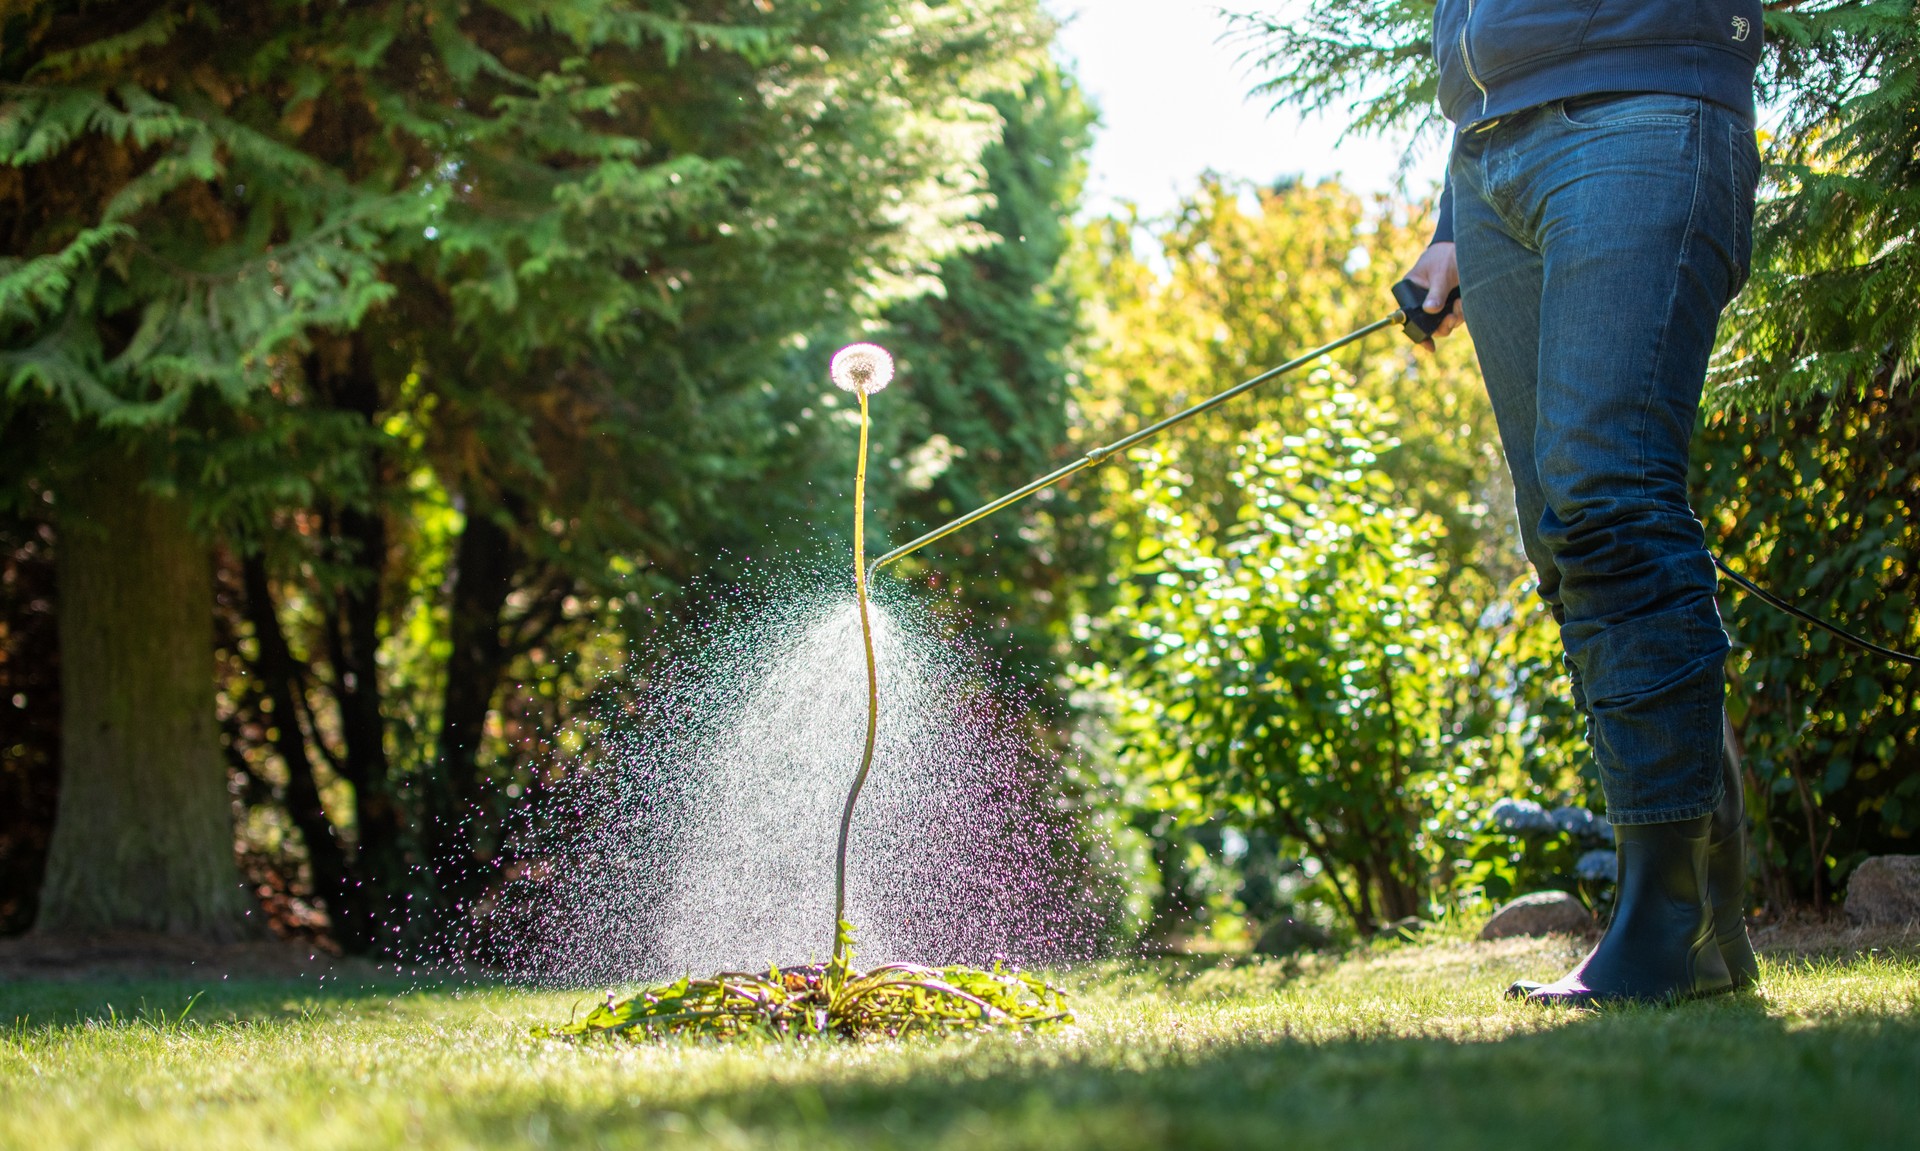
1613	109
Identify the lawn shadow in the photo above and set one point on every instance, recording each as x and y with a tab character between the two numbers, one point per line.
49	1006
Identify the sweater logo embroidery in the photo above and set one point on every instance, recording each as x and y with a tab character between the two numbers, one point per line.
1741	26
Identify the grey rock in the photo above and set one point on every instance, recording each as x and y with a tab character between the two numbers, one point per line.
1290	937
1885	890
1540	913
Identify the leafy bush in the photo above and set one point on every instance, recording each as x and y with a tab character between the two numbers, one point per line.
1303	672
1816	503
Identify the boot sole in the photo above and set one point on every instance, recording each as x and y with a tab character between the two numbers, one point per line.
1596	999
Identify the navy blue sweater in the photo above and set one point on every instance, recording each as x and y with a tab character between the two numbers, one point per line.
1498	57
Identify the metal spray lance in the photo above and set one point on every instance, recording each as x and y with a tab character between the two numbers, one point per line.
864	369
1411	318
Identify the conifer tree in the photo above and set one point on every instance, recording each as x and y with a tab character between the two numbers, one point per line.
986	362
399	297
1830	308
165	249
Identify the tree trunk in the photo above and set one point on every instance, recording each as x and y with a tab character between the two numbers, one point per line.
143	838
29	715
383	916
483	579
280	676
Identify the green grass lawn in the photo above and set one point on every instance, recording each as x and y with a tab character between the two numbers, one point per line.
1407	1046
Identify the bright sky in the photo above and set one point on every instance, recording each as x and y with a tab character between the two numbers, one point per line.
1172	99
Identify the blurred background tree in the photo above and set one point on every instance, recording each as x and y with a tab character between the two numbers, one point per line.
141	315
1817	501
452	333
989	360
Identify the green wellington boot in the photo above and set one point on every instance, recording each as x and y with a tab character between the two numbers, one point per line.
1660	945
1727	875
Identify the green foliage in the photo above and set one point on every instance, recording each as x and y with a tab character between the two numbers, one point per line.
1502	864
1297	671
830	1000
1254	277
130	285
1289	665
984	403
1816	504
1372	61
1313	629
468	330
1830	307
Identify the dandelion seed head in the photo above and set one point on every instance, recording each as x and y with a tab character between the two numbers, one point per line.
862	368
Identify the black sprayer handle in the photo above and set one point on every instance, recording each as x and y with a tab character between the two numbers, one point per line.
1420	324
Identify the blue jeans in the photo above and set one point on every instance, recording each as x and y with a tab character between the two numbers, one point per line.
1598	241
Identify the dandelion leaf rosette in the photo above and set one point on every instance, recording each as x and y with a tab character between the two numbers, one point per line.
831	1000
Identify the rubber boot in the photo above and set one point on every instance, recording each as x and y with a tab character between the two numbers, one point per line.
1727	875
1660	945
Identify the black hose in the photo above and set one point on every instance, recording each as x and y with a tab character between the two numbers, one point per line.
1774	601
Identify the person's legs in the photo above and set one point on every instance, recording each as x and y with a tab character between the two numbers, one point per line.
1637	206
1635	212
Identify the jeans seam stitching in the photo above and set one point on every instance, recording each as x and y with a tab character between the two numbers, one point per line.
1650	119
1629	120
1669	814
1673	299
1742	219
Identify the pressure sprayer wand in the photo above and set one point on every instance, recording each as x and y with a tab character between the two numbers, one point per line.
1409	318
1419	326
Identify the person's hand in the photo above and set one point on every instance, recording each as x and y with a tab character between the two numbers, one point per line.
1436	271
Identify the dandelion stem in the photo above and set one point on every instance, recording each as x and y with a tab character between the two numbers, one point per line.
873	681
